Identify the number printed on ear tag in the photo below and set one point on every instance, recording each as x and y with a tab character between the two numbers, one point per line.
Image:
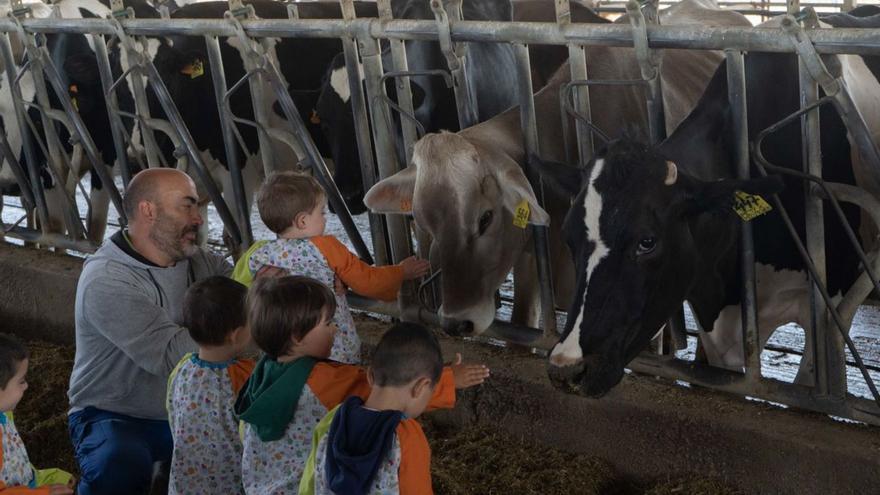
750	206
521	215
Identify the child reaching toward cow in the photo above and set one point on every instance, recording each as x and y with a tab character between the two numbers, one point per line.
293	206
17	475
202	390
293	387
377	445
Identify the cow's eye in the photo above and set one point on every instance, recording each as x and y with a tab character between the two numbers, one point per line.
646	245
485	221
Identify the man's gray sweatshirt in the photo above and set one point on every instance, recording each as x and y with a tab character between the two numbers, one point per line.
128	333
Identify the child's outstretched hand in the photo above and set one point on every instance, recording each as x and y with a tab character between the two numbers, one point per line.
468	375
414	268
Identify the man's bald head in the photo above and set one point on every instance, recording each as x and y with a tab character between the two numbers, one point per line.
148	184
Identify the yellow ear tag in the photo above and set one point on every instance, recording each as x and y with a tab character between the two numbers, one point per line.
194	70
750	206
314	118
521	214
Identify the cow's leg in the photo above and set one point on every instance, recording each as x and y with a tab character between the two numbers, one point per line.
723	345
806	374
526	295
55	204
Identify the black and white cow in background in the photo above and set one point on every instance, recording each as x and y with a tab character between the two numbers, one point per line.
74	57
652	228
302	61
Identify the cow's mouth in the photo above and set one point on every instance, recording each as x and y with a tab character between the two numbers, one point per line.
456	328
590	377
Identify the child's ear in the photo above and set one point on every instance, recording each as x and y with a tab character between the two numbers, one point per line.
421	385
299	221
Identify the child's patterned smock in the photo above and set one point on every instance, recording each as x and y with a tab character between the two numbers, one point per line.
405	471
17	475
207	445
276	467
321	258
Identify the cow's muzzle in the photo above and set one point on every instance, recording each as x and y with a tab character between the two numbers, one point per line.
458	328
591	377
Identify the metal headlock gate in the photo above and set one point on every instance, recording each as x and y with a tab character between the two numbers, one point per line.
361	42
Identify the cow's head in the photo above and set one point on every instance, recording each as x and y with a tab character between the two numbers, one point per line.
465	197
334	113
640	231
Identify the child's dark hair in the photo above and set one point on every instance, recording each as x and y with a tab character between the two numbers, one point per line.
282	308
284	195
407	351
12	352
213	308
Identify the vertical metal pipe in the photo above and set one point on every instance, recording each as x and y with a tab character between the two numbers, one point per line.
402	85
398	230
257	86
465	100
577	60
528	122
378	225
117	129
137	80
242	207
736	96
830	374
36	183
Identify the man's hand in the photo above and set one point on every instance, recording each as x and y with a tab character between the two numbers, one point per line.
270	271
414	268
468	375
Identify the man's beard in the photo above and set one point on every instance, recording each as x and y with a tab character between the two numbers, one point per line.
169	238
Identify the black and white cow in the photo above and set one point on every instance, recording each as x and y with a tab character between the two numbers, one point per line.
652	228
74	57
302	61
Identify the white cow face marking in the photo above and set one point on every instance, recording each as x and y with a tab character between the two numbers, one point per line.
339	83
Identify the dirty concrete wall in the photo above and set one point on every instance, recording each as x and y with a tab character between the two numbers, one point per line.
37	291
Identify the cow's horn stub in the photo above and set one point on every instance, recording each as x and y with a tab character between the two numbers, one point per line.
671	173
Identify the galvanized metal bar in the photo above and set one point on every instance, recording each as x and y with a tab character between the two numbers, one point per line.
401	84
117	127
27	196
577	61
737	98
842	40
50	239
397	228
254	55
242	206
454	54
142	108
381	249
650	69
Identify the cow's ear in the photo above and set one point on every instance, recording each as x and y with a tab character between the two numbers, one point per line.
516	191
393	194
564	180
720	195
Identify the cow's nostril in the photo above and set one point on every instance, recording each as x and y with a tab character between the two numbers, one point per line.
458	328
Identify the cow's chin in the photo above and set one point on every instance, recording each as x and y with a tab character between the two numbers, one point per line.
592	376
469	321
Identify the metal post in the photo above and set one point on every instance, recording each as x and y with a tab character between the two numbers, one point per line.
464	98
117	128
378	224
736	95
577	61
650	69
242	207
402	86
398	230
36	182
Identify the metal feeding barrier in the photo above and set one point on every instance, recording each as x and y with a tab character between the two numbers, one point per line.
376	133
